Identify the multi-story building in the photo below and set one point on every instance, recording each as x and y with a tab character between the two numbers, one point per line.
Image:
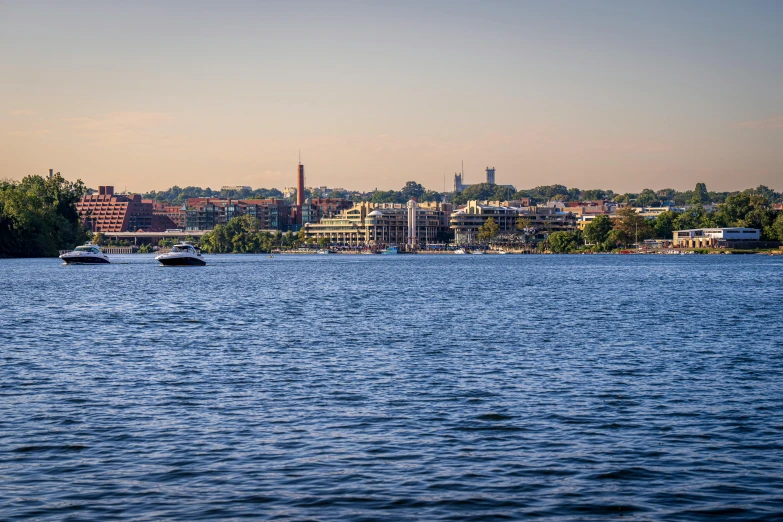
709	237
207	213
110	212
273	213
379	224
165	217
465	222
319	208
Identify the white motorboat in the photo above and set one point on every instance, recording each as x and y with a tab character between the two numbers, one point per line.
324	251
182	254
477	252
460	251
87	254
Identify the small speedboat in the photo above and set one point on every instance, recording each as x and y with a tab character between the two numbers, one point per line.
391	250
477	252
182	254
87	254
324	251
460	251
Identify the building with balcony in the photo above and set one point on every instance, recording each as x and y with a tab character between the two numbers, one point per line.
380	224
714	237
465	222
207	213
110	212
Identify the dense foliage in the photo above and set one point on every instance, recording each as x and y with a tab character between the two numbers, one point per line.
243	235
411	190
488	230
177	196
38	216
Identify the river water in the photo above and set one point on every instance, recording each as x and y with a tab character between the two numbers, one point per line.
393	388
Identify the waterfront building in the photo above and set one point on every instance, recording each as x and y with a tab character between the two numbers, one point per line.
206	213
110	212
316	209
714	237
466	221
380	224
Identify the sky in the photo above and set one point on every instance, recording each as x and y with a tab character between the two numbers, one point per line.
621	95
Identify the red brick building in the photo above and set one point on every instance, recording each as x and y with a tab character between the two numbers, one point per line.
110	212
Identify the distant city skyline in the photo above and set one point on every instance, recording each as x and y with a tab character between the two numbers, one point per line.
610	95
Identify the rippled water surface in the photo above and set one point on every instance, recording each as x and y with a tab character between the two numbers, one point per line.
393	388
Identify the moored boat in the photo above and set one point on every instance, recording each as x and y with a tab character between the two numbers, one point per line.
460	251
182	254
87	254
391	250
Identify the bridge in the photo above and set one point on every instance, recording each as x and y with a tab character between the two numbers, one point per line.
154	237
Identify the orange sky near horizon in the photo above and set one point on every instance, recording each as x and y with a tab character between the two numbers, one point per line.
590	95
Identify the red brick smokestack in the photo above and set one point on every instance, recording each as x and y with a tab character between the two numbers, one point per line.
300	187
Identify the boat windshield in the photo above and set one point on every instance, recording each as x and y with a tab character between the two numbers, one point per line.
92	249
182	248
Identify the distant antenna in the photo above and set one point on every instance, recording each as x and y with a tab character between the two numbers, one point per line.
463	171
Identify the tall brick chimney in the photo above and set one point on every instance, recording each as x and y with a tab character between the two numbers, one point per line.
300	191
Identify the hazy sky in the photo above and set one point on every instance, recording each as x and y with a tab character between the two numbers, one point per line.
622	95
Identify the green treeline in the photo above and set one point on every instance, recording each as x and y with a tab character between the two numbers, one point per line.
177	196
38	216
243	235
739	210
486	192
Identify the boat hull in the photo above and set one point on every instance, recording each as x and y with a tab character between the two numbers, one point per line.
84	260
182	261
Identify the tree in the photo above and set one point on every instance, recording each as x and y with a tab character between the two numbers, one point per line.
477	192
694	217
593	195
38	216
615	238
388	196
632	224
700	195
412	190
488	230
648	198
145	248
431	195
598	229
522	223
502	193
562	242
663	225
776	229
